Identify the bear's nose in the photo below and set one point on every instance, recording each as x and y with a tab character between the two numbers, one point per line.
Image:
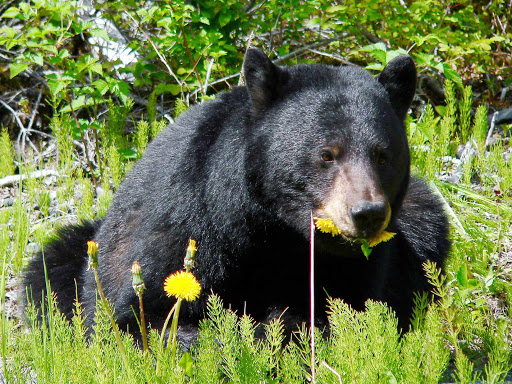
369	216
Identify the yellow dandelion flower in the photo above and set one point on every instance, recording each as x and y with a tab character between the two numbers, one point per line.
92	251
327	226
383	237
182	285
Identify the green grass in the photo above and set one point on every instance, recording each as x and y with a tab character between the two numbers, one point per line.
464	337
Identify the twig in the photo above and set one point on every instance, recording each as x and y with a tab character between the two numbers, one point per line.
194	68
278	60
273	28
449	210
162	59
491	129
225	78
22	136
332	56
14	179
332	370
208	73
34	110
187	49
20	124
310	46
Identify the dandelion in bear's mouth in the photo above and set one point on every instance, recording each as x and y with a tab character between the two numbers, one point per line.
328	226
380	238
182	285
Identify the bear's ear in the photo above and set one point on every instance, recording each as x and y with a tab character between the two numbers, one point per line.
399	80
263	78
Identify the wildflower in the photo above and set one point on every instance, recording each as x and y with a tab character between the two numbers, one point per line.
382	237
327	226
137	281
92	251
189	261
182	285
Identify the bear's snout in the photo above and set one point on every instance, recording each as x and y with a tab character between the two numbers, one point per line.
370	217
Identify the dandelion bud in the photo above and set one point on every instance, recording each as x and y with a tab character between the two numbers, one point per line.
189	261
137	282
92	251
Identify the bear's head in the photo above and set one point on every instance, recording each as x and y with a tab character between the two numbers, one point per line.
329	140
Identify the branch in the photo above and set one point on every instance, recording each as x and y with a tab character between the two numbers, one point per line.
14	179
299	51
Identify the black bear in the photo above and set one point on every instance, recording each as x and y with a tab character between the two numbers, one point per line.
242	174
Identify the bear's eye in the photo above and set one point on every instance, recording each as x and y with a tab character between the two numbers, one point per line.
380	156
327	156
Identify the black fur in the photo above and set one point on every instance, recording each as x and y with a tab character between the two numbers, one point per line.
65	257
241	175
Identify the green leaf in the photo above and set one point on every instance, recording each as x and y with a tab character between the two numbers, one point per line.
424	59
375	67
10	13
462	275
53	49
37	58
165	22
97	68
224	19
99	32
366	249
374	47
79	102
441	110
452	75
101	86
8	32
16	68
390	55
128	154
56	86
335	8
174	89
187	364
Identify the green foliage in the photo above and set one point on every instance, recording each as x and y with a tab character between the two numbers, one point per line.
480	127
6	154
180	47
141	137
465	113
85	207
20	234
115	166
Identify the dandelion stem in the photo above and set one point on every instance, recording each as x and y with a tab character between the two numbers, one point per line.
143	324
174	331
171	312
312	298
165	324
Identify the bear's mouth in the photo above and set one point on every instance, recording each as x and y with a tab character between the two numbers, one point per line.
328	226
364	221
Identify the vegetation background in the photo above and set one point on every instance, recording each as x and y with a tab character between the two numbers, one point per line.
85	85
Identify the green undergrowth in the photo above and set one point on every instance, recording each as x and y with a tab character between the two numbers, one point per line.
464	337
